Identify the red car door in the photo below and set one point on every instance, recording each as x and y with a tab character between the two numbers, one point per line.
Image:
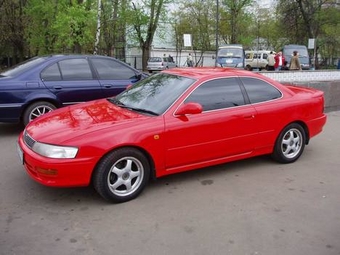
226	128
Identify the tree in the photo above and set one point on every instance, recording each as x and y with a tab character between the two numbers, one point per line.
145	17
99	12
59	26
114	20
234	12
196	17
304	19
12	26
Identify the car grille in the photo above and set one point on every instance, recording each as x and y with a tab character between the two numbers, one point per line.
29	141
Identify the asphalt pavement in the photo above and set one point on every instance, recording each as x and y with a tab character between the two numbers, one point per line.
249	207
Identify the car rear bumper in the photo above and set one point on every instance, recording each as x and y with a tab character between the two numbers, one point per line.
315	126
161	68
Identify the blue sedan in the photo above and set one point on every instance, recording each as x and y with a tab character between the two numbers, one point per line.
45	83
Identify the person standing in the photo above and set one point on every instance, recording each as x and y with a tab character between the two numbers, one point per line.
279	61
189	61
271	61
295	62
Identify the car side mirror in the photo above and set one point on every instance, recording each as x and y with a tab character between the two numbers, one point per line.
189	108
139	76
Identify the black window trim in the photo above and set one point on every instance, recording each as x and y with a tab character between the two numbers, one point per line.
258	78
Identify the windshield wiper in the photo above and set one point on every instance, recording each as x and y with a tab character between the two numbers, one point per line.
140	110
122	105
115	101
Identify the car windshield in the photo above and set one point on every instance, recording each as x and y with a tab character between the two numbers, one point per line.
154	94
23	66
230	53
302	52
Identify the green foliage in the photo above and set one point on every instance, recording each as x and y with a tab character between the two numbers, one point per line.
304	19
75	25
234	13
32	27
198	19
59	26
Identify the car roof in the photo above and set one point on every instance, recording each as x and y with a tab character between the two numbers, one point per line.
54	56
210	72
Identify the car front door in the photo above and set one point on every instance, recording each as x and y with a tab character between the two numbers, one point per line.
72	81
226	128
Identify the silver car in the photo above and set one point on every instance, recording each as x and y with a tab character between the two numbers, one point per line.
160	63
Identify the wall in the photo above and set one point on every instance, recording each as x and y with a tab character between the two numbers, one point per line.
327	81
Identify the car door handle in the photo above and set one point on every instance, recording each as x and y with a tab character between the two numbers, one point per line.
107	85
252	116
57	87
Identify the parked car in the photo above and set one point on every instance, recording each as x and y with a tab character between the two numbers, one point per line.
45	83
174	121
257	59
160	63
231	55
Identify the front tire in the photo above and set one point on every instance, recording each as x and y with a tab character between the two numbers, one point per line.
121	175
35	110
290	144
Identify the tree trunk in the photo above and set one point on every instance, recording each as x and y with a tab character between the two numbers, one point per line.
145	55
96	43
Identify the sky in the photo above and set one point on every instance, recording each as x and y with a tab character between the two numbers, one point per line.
266	3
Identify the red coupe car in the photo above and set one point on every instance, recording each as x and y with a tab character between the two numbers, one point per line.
170	122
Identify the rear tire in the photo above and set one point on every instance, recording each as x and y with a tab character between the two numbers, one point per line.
290	144
35	110
121	175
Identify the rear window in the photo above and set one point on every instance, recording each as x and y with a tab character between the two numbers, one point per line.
23	66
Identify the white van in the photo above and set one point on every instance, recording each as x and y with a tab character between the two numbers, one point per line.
257	59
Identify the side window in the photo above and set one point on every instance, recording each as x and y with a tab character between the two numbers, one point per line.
265	55
217	94
259	90
51	73
75	69
108	69
255	55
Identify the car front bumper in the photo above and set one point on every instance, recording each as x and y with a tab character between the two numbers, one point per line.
56	172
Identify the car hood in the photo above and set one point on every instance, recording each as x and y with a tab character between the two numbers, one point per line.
68	123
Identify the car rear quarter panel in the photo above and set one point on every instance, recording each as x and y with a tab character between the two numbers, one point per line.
15	95
312	104
299	105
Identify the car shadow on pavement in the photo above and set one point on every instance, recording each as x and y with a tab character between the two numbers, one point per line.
11	129
69	197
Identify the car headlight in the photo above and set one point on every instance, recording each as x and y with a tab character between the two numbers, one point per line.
54	151
239	65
